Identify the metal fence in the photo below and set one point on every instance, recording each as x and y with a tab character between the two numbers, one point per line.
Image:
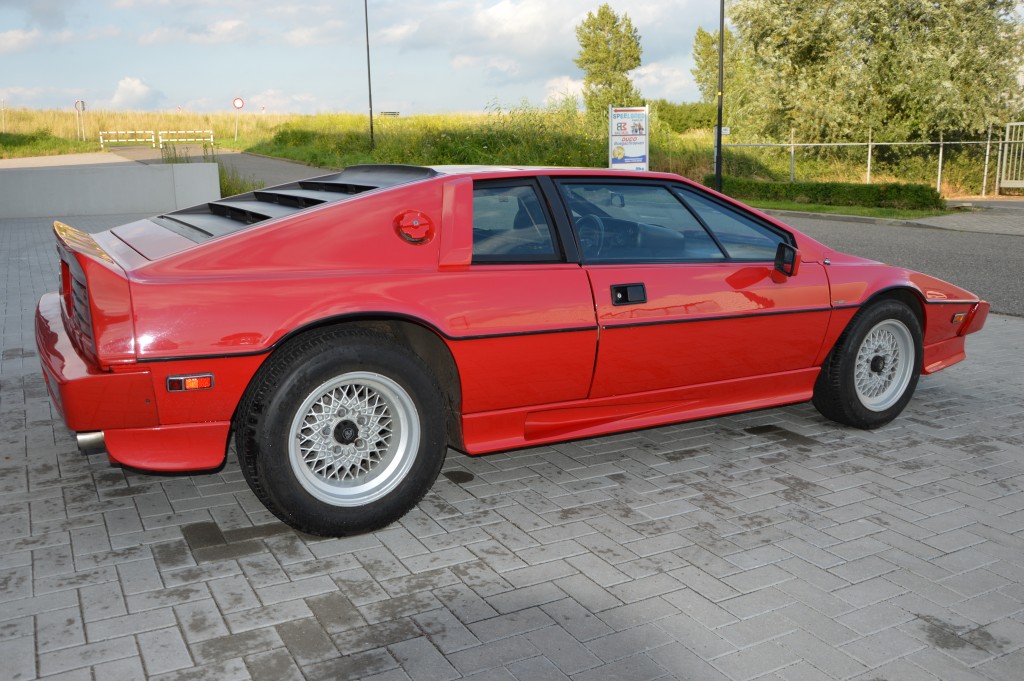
1008	168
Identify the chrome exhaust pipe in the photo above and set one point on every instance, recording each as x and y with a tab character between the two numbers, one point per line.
91	443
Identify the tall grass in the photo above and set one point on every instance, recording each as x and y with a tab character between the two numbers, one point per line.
231	180
40	143
556	135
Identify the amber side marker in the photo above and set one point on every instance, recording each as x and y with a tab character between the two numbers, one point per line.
177	384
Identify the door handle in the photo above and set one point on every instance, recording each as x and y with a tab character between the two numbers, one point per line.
629	294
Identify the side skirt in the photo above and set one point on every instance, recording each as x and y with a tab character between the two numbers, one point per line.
529	426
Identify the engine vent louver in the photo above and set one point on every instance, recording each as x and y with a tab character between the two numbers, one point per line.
234	213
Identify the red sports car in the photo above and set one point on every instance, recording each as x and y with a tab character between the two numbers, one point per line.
347	329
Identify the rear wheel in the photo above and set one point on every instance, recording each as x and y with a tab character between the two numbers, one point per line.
871	374
341	432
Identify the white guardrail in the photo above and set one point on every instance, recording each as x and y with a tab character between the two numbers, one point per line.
127	137
154	138
168	136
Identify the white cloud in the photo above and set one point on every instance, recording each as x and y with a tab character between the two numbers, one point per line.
397	33
278	101
668	81
45	13
318	34
225	31
134	94
19	41
561	87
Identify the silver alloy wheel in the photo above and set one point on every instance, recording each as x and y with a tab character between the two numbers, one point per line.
354	439
884	365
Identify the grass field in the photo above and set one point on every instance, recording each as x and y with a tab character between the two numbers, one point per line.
521	135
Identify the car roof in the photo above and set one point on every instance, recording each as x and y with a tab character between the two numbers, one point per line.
231	214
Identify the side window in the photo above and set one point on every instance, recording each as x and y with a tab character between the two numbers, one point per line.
510	225
619	222
742	237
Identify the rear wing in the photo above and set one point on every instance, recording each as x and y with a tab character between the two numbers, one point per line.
95	299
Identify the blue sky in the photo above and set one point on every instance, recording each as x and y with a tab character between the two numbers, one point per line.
307	57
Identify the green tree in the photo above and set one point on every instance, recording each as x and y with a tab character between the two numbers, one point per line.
907	69
609	50
739	81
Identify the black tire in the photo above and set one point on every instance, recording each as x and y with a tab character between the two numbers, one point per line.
870	375
341	432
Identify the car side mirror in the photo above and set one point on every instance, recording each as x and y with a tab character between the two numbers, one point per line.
787	260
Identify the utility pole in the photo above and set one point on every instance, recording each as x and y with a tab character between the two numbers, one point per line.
369	82
721	85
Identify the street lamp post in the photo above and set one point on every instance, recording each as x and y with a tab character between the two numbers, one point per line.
721	84
369	82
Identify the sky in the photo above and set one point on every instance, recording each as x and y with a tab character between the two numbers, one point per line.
308	57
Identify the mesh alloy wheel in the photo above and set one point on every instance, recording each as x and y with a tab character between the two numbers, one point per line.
354	439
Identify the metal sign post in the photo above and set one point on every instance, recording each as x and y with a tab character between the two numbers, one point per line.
80	120
238	104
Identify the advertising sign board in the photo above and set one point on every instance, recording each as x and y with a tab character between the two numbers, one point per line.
628	147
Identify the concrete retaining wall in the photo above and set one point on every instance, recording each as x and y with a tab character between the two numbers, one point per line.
110	190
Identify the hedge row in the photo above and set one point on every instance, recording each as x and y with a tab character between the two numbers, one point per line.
893	195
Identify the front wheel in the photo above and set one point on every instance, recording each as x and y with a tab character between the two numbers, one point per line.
871	374
341	432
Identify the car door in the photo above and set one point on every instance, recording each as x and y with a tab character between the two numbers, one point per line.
523	330
684	290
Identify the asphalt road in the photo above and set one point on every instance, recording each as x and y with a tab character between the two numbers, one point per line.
989	265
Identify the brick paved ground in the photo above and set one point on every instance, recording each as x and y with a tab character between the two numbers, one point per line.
772	545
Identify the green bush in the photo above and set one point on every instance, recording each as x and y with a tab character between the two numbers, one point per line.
682	117
892	195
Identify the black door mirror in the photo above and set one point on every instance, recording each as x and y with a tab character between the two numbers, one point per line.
787	260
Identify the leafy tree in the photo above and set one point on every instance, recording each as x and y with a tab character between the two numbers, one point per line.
739	79
907	69
609	50
685	116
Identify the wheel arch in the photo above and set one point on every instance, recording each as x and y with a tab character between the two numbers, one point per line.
907	295
422	338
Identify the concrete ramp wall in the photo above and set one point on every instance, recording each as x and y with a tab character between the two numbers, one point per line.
109	190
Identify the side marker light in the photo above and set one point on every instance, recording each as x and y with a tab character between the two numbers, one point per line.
177	384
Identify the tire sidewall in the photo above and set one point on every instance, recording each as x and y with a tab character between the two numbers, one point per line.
886	310
305	373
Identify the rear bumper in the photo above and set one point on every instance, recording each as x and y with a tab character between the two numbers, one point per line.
89	398
117	410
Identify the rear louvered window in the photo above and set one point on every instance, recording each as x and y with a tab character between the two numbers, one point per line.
235	213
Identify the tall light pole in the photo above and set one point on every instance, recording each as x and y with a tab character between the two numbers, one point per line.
369	82
721	85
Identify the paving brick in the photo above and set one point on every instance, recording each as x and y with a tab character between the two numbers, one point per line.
885	646
422	661
770	544
235	645
445	631
163	650
635	668
491	655
86	655
755	661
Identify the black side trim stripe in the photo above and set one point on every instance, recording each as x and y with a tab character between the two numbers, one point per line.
365	317
712	318
513	334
